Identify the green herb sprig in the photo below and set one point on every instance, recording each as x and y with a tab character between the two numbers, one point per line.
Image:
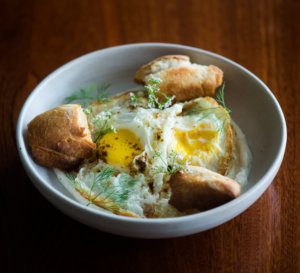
220	98
91	93
88	111
173	164
108	196
153	91
217	111
134	99
101	124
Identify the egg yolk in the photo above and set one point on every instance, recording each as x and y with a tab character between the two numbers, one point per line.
201	142
120	148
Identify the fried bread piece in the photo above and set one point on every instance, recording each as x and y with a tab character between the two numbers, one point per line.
60	138
180	78
202	189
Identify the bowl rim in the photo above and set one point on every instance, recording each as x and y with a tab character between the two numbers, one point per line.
33	173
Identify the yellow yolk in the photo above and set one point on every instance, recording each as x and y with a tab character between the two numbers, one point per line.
201	142
120	148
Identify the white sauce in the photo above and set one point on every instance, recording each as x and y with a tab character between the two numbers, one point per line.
242	157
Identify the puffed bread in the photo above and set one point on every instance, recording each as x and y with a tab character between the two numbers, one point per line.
202	189
60	138
180	78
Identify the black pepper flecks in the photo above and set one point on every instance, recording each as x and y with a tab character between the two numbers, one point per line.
142	165
103	155
151	187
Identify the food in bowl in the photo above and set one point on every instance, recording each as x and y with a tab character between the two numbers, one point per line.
167	150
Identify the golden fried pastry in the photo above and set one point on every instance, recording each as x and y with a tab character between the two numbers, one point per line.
60	137
202	189
180	78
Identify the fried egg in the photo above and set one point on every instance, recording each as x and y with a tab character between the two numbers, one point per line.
203	135
143	144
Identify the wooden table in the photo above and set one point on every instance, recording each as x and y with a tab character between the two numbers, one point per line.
36	37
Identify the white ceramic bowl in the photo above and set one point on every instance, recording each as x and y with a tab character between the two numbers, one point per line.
253	106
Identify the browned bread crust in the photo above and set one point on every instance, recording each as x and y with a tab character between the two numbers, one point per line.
181	78
202	189
153	66
60	138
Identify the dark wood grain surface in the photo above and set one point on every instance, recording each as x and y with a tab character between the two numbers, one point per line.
36	37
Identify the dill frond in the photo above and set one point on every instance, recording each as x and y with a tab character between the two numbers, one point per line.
218	111
91	93
220	98
103	193
75	184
